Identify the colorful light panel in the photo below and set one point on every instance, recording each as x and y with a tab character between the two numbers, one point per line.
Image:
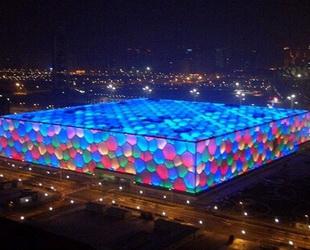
185	146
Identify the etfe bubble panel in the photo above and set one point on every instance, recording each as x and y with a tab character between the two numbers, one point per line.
224	157
184	146
154	161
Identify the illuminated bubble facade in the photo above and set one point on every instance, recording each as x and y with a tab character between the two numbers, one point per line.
185	146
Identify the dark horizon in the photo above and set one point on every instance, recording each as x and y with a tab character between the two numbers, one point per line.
100	34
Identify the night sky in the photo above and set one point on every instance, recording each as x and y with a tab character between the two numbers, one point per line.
100	32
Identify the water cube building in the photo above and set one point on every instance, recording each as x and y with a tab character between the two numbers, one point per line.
180	145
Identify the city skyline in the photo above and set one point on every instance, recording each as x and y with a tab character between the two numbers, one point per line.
188	36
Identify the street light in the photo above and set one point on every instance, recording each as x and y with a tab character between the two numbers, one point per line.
240	95
292	98
194	92
147	90
111	87
274	101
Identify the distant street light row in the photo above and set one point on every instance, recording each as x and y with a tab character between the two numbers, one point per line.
239	94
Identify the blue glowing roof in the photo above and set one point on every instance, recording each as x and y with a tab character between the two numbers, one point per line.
182	120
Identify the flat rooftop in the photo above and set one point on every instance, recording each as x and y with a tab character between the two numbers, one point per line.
179	120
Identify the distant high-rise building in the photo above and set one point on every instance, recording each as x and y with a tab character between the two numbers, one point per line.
222	58
296	56
59	63
139	57
235	58
190	59
296	62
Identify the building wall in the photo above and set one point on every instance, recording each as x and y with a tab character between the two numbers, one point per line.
153	161
224	157
178	165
